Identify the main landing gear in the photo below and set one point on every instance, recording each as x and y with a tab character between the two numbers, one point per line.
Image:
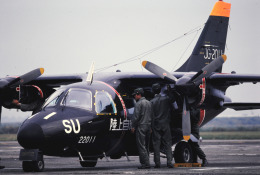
183	153
88	162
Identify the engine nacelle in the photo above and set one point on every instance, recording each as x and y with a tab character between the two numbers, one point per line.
30	93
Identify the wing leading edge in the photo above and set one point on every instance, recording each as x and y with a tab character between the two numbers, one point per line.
233	79
242	106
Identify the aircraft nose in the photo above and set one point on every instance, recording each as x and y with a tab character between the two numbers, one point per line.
30	136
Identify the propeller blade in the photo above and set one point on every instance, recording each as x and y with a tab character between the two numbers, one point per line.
90	73
26	77
159	71
207	70
186	128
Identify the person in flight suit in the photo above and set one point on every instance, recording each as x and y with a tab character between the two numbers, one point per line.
197	151
141	124
162	108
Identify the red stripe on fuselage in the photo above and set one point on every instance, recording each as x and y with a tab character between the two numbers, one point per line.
202	116
203	88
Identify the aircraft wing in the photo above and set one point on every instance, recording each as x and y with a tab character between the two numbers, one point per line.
57	80
233	79
49	81
242	106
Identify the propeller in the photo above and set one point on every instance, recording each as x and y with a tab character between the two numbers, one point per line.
186	83
21	79
9	82
159	71
32	75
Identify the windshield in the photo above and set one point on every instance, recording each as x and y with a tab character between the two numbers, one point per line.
80	98
54	98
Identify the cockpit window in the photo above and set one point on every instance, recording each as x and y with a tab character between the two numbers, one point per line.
54	98
80	98
104	103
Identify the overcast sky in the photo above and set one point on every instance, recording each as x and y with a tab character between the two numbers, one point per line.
65	36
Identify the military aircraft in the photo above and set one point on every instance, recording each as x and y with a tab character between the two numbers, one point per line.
89	115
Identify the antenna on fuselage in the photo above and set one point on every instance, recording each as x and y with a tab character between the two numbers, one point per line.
90	74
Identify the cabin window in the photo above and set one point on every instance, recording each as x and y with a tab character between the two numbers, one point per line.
80	98
104	103
129	104
54	98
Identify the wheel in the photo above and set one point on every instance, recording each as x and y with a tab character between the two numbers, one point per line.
29	166
38	166
89	162
183	153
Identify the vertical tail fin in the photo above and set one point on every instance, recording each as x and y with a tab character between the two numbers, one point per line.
212	41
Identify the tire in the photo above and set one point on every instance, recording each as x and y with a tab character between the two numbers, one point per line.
183	153
27	166
89	162
38	166
30	166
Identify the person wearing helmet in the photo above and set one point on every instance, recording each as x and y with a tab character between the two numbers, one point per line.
162	108
141	124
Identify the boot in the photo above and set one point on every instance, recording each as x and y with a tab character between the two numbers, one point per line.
205	162
144	167
157	166
170	166
1	167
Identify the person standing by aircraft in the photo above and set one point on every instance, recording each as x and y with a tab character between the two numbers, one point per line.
162	108
141	124
197	151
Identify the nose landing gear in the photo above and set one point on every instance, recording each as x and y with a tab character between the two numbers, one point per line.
30	166
32	160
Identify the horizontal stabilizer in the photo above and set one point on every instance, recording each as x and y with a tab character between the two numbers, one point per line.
242	106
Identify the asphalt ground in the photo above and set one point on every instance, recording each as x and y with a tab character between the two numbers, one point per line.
224	156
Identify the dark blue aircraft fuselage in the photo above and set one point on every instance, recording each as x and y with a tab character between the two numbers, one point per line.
65	126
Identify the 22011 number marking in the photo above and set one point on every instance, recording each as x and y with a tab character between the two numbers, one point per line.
87	139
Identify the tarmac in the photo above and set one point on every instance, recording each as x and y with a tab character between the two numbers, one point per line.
224	156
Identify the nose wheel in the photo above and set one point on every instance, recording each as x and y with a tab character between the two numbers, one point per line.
32	160
30	166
